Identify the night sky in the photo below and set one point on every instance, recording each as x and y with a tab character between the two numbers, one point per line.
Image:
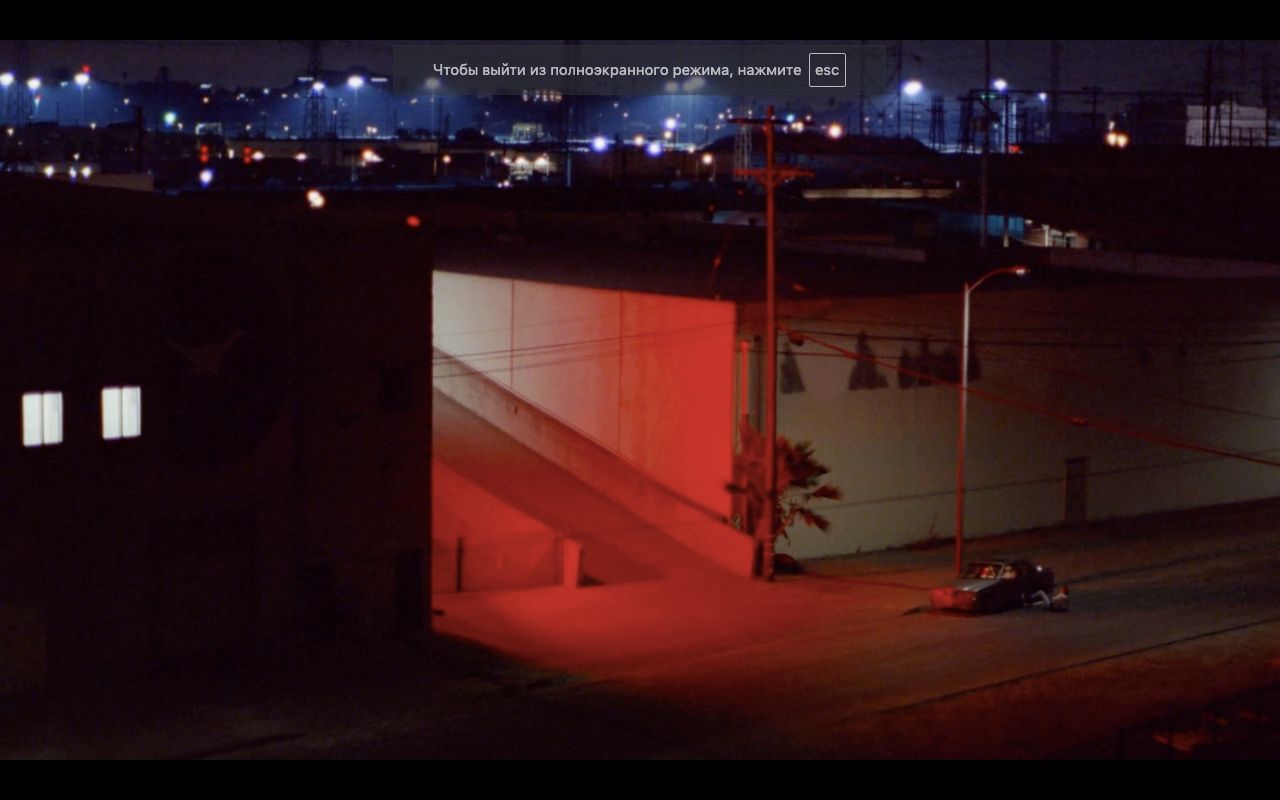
950	66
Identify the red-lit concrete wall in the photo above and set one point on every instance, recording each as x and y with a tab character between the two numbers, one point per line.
630	393
480	542
1172	359
648	377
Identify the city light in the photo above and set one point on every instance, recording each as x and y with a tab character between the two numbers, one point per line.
33	84
315	199
355	82
638	141
82	79
912	88
599	144
1000	84
85	172
206	177
654	148
670	124
170	118
835	130
48	171
6	79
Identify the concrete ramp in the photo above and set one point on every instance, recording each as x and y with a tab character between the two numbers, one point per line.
648	505
619	545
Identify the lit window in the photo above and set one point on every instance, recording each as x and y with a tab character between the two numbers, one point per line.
122	412
41	419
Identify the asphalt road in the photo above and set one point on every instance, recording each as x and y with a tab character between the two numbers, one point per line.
1169	613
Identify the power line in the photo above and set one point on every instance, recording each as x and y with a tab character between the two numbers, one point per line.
1070	419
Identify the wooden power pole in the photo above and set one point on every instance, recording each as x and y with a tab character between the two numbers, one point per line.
770	176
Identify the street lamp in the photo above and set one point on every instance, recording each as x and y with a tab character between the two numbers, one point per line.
33	85
6	80
912	89
355	82
962	402
82	80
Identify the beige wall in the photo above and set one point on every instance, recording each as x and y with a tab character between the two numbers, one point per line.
1148	358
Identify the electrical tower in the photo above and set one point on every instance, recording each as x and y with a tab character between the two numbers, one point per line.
315	120
937	123
742	148
21	105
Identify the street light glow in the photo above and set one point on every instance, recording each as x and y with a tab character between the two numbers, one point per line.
355	81
315	199
835	130
6	79
206	177
912	88
82	79
599	144
33	84
1000	84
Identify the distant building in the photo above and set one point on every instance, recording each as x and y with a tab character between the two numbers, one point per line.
1228	124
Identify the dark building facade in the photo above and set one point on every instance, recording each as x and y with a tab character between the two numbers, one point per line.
218	429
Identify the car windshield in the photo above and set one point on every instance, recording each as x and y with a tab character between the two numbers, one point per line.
986	572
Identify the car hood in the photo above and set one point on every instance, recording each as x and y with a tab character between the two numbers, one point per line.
970	584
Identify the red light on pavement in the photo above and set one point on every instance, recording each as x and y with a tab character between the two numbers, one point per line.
413	221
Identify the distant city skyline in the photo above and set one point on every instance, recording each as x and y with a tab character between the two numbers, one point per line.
944	66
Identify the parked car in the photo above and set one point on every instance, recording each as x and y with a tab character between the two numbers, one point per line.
987	586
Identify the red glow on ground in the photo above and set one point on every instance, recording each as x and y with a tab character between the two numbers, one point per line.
413	221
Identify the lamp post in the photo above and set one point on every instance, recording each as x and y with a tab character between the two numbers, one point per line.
33	86
912	89
6	80
82	80
355	82
962	404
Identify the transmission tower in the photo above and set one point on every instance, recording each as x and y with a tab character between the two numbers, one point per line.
314	120
21	104
742	148
937	123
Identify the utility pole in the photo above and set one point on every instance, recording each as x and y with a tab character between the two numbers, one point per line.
986	141
897	89
1093	111
862	88
770	176
1208	96
1266	101
1055	61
